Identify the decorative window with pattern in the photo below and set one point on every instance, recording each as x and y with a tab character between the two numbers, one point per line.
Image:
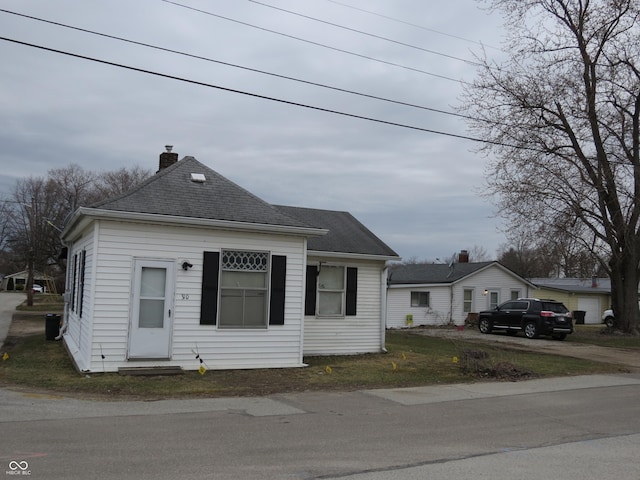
243	289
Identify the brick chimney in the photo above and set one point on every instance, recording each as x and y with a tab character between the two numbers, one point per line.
167	158
463	256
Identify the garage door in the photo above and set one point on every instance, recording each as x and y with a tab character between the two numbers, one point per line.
592	307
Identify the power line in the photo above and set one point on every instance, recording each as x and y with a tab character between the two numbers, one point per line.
255	95
412	24
208	59
366	57
373	35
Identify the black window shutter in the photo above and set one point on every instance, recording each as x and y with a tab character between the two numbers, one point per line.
73	284
209	300
278	281
352	290
310	290
83	261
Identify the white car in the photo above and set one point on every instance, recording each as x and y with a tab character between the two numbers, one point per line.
608	318
35	288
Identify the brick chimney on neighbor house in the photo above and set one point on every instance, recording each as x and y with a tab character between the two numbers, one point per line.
167	158
463	256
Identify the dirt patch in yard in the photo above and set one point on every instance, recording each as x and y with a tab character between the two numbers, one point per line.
627	358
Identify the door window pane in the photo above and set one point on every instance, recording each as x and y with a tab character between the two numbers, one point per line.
153	282
151	313
152	292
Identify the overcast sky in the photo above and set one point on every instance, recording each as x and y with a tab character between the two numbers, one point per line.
416	190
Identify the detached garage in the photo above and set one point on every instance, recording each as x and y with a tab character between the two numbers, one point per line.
589	295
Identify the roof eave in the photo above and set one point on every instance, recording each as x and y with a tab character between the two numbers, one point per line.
96	213
420	284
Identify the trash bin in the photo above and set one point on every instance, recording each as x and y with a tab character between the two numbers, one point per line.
51	326
578	316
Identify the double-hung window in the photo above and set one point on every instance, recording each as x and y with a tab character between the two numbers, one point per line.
243	289
468	300
244	286
420	299
331	291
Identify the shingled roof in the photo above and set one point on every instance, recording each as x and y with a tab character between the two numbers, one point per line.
429	273
346	234
174	192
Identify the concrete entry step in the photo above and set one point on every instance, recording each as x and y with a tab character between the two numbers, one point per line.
150	371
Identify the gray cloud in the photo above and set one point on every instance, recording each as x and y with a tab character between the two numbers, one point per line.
416	190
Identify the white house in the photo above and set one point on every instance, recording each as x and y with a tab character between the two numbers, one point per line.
188	270
439	294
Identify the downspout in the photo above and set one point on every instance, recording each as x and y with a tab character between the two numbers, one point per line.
384	289
305	258
450	304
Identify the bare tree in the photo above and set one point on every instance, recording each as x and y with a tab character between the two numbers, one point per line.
75	186
31	222
31	237
120	181
5	223
478	254
562	118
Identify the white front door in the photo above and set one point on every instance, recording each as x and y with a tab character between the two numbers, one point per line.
152	305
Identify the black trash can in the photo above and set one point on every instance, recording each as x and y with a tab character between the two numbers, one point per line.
51	326
578	316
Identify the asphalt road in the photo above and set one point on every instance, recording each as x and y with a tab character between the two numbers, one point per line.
569	428
565	429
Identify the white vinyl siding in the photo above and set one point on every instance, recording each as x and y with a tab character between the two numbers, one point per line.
77	331
350	334
399	305
111	272
447	301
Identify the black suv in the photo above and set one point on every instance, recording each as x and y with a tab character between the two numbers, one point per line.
532	316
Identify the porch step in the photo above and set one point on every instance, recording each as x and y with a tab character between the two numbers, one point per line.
150	371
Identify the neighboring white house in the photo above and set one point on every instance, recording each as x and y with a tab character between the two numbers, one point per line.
439	294
188	270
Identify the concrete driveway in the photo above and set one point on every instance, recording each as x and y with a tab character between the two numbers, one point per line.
626	358
8	303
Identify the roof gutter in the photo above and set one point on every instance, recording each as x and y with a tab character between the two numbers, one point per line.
351	256
95	213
